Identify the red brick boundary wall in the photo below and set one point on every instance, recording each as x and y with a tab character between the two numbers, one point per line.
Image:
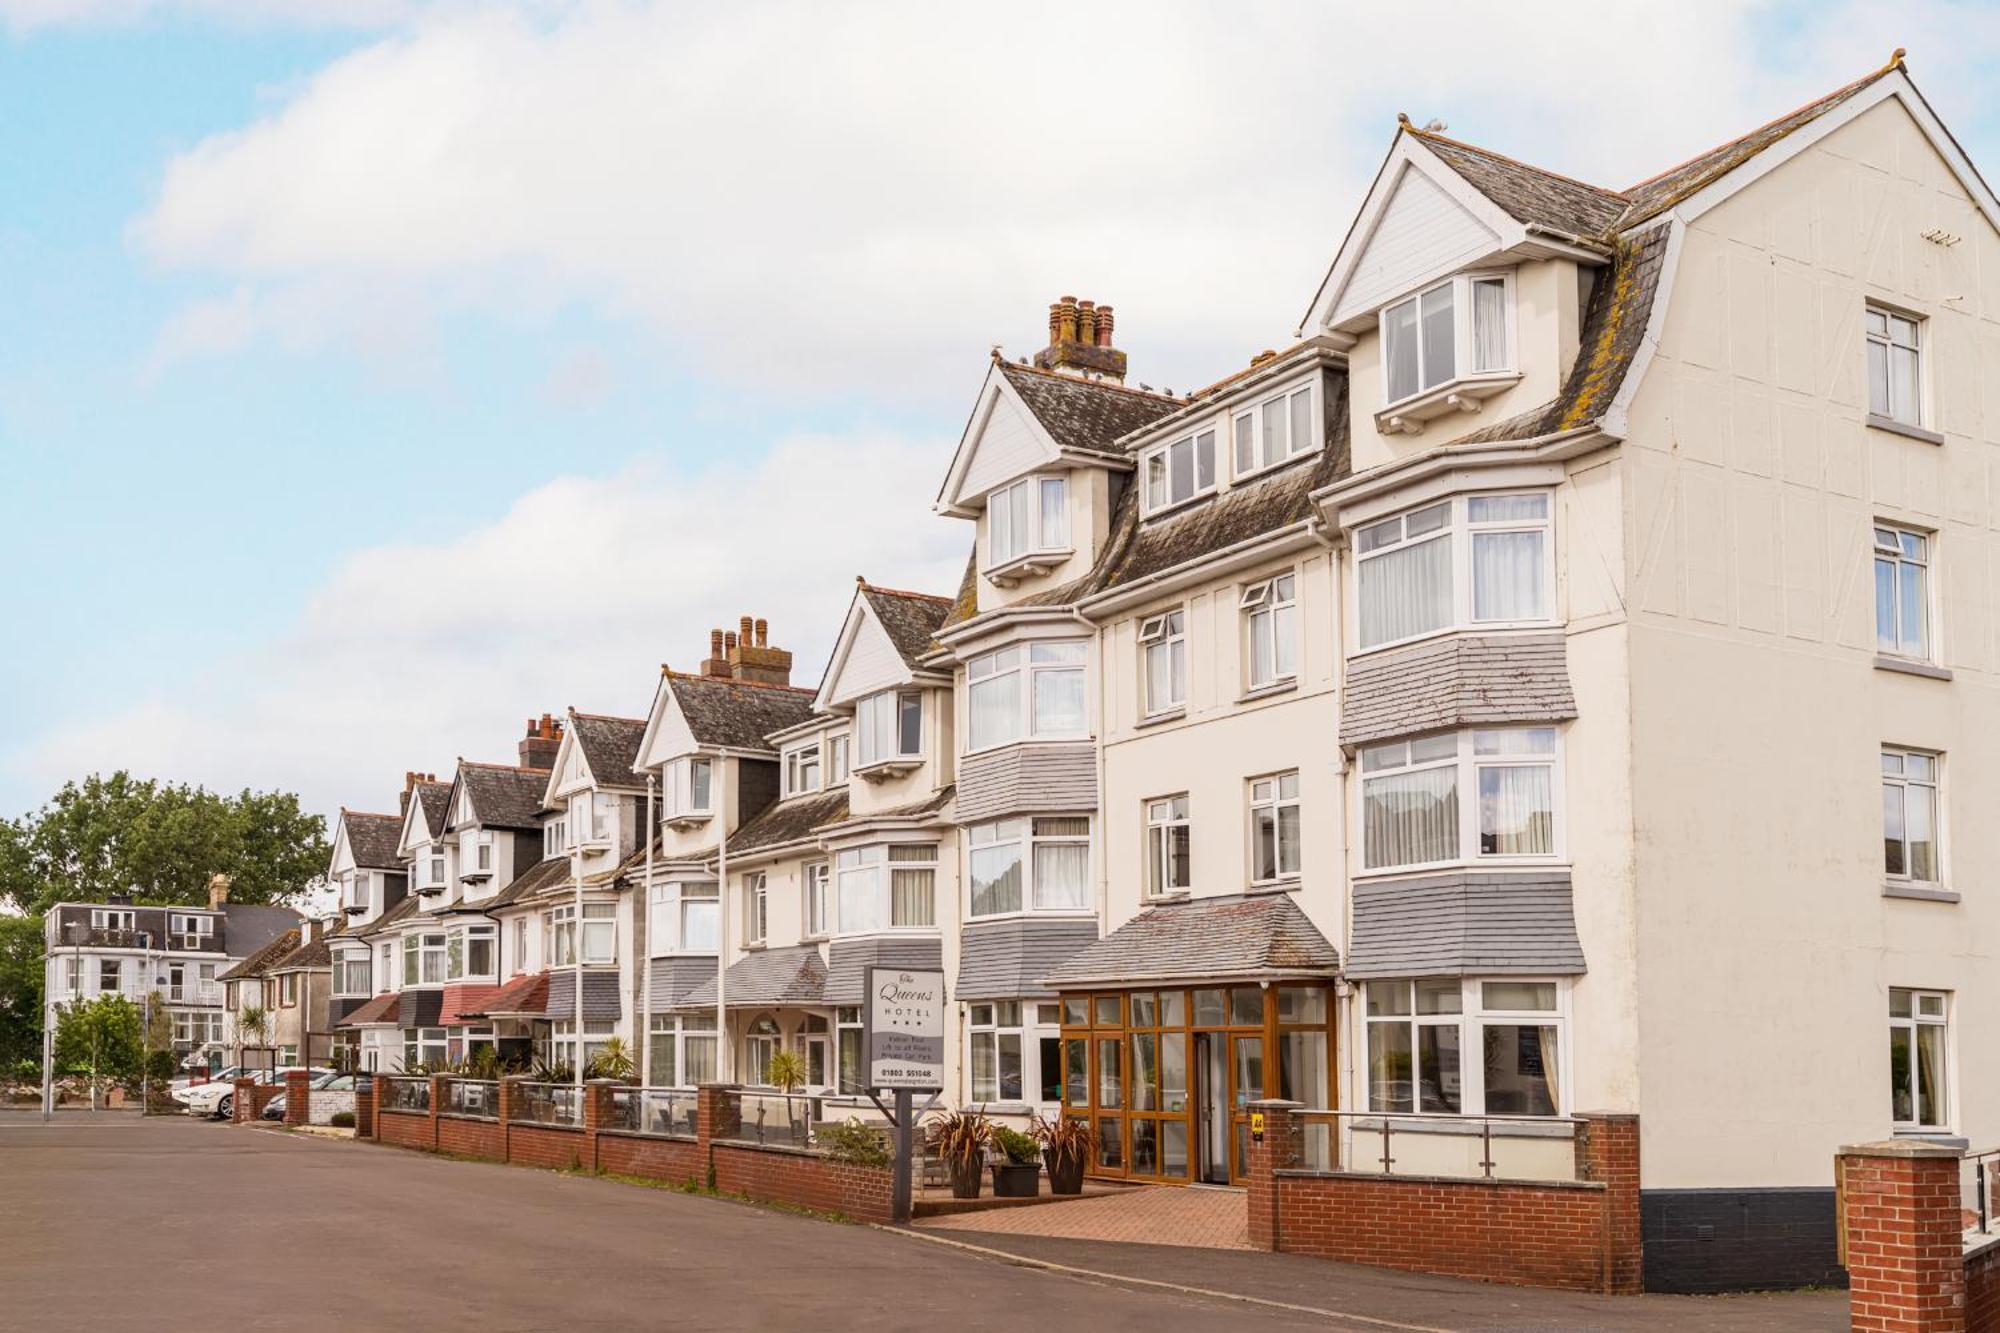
1581	1235
1903	1240
790	1176
364	1107
247	1103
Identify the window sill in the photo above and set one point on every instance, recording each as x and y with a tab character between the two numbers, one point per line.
1910	667
1286	686
1289	884
1530	865
1033	565
1904	428
683	823
1161	718
883	769
1919	893
1942	1138
1467	393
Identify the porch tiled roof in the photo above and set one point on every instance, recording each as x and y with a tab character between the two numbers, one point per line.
464	1003
794	975
1242	935
380	1011
522	996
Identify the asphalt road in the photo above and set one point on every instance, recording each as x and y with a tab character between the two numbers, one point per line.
109	1221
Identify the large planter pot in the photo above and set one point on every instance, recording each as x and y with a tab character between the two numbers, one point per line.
1016	1180
965	1177
1065	1172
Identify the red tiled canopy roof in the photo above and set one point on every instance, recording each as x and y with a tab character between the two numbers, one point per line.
522	995
381	1009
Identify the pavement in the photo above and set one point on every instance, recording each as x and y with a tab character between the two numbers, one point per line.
108	1220
1177	1215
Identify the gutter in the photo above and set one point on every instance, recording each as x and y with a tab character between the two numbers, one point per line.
1095	607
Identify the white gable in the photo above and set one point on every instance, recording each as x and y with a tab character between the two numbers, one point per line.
343	855
864	661
571	773
1423	232
416	829
1001	442
462	811
667	733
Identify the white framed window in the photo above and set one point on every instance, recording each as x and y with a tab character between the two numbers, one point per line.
890	724
385	965
433	867
430	958
112	918
1458	328
470	952
180	924
1902	591
1038	864
801	768
1027	517
683	1050
1895	365
1169	869
1920	1059
1274	828
554	838
597	1032
600	934
110	976
1470	561
1413	813
836	758
683	917
350	975
756	907
1176	472
1271	630
816	877
687	787
1268	433
1026	690
1912	848
890	886
1163	646
761	1043
996	1046
288	990
73	975
1467	1046
520	946
475	852
603	810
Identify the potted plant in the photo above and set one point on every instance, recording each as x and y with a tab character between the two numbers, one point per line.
1065	1143
959	1140
1020	1175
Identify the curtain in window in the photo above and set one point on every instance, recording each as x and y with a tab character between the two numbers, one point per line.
912	896
1489	325
1062	874
1390	1067
1406	592
1440	336
1516	811
1920	815
1399	340
1409	818
1058	702
996	879
1507	576
1520	1073
1055	522
992	710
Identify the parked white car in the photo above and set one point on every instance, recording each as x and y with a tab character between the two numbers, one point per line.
218	1098
227	1074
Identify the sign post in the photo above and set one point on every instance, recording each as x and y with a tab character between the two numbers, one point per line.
902	1044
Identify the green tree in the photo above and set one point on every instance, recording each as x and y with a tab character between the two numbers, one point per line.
101	1038
118	834
20	991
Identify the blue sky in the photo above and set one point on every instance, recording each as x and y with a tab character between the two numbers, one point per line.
373	376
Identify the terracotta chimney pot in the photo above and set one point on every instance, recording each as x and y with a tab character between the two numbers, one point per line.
1086	323
1104	326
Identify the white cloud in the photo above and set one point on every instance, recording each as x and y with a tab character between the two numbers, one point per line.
410	656
23	16
818	197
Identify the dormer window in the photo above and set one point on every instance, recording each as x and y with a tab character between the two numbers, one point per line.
687	788
552	838
1177	472
891	727
1273	431
475	854
357	890
593	817
802	769
1028	518
836	759
1457	327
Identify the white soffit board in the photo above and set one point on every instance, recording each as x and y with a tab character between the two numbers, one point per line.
1422	232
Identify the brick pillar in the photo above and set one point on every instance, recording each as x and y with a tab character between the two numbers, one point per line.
439	1082
243	1105
510	1098
298	1088
1281	1146
1607	1151
596	1111
364	1106
1903	1234
717	1114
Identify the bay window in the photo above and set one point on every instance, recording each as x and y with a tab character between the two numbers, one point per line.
1274	828
472	951
884	887
1027	517
433	867
554	842
423	1046
1465	1047
817	877
1271	630
1274	430
756	907
1475	560
686	787
602	808
357	891
682	918
1919	1059
1910	814
891	727
385	965
1039	864
475	853
1168	869
1163	643
836	759
350	975
599	935
847	1046
1412	812
597	1032
801	768
1446	332
1032	690
1179	471
683	1050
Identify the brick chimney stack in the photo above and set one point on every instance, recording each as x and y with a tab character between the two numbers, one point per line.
218	891
715	664
410	781
539	746
751	656
1080	341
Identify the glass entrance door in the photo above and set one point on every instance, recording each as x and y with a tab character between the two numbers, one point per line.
1212	1108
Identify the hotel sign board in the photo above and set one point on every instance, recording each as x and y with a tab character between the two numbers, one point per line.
903	1027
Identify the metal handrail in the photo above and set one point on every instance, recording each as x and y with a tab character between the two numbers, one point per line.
1412	1120
1985	1165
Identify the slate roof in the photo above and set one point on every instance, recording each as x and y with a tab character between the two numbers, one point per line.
1243	935
373	839
316	954
1087	415
848	962
790	820
790	976
1529	194
909	618
930	805
1465	925
1007	959
504	796
419	1008
600	994
248	927
537	877
737	714
259	963
610	746
405	907
436	799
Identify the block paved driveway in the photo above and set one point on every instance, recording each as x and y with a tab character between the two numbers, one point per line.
1208	1219
111	1221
